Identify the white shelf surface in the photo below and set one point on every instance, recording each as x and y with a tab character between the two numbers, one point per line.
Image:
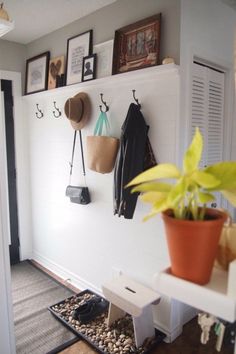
211	298
146	73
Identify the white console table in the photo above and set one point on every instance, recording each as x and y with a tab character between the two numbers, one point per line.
212	298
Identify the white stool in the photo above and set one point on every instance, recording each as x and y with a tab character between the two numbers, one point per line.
127	296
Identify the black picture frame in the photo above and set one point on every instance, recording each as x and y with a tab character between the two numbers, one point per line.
137	46
78	47
36	75
89	67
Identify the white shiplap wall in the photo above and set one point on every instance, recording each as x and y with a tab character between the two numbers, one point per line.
86	243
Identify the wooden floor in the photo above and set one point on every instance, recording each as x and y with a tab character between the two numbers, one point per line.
79	348
187	343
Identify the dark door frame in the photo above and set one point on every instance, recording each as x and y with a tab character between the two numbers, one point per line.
7	89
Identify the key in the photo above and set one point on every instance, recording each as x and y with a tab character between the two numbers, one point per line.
205	321
205	335
220	336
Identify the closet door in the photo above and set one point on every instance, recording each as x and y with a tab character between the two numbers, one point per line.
207	108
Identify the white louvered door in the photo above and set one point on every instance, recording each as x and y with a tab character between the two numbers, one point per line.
199	105
215	116
207	113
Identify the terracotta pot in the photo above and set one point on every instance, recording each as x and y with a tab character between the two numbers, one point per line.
193	245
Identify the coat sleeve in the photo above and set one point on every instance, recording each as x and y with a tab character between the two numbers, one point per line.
132	165
118	177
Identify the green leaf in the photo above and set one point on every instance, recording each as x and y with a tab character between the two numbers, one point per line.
153	197
155	186
177	193
224	172
150	215
166	170
205	179
193	154
205	198
159	206
230	195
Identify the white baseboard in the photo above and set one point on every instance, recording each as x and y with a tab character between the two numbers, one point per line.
65	274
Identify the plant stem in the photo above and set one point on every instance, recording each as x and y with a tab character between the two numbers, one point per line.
202	212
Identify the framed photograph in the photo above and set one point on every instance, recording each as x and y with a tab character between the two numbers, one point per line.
137	45
56	69
36	77
77	47
104	53
89	67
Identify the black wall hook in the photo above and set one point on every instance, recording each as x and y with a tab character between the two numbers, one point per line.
136	100
39	114
105	104
58	114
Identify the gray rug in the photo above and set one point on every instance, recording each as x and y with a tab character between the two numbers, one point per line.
36	330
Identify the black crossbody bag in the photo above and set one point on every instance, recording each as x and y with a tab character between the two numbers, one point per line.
77	194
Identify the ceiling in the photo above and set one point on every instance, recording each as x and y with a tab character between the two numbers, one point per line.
36	18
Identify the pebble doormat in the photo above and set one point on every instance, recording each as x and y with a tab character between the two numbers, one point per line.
85	314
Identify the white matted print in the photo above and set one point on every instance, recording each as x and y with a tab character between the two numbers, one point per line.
104	53
77	47
37	73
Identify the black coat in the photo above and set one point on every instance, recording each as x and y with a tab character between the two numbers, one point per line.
133	151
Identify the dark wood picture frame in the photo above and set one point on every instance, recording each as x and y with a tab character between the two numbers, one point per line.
89	67
78	47
36	75
137	46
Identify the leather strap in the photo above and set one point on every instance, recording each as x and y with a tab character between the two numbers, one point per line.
82	151
73	152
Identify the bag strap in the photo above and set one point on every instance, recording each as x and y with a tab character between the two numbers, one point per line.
72	156
102	125
73	152
82	151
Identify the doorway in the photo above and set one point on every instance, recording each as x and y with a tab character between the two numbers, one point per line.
7	333
6	88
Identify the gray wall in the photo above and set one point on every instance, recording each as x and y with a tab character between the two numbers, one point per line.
12	57
104	22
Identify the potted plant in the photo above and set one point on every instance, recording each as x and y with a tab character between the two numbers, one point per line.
192	229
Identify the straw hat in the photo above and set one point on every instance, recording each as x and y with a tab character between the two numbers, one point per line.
77	110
